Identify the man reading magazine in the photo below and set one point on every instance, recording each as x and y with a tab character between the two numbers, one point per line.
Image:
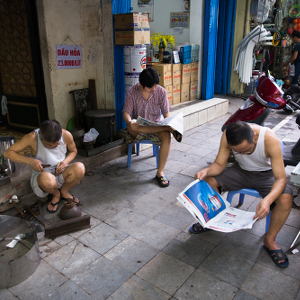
259	165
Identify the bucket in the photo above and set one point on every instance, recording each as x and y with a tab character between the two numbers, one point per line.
130	80
10	168
134	59
103	121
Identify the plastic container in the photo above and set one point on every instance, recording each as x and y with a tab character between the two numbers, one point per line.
185	54
195	52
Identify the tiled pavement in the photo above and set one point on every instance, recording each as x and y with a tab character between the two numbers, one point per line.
139	246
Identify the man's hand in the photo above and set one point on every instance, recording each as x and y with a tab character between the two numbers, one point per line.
201	174
285	64
36	165
262	209
133	126
60	167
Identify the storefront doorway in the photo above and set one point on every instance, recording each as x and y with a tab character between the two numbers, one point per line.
21	75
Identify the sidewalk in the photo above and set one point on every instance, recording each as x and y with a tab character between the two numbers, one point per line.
139	246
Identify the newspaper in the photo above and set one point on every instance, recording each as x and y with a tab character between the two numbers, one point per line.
211	210
175	121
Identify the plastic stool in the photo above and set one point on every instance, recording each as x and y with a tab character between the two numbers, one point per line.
250	192
155	151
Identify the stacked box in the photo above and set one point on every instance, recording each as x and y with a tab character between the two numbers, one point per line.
194	71
186	73
193	90
132	29
169	90
164	72
176	93
184	92
176	73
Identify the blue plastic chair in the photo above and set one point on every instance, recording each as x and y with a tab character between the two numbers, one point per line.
155	151
250	192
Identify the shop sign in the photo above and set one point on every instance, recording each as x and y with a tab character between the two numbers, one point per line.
68	57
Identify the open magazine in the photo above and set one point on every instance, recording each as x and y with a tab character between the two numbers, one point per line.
175	121
211	210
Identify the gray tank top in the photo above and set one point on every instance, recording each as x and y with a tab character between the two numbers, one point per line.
49	156
257	161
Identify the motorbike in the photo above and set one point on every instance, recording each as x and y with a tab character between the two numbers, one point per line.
267	97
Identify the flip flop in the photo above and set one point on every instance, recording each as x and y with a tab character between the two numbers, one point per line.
197	228
278	255
73	199
53	204
177	136
161	179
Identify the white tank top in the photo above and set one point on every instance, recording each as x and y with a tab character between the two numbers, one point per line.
49	156
257	161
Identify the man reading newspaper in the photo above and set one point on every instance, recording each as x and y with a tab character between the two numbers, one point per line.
149	100
259	165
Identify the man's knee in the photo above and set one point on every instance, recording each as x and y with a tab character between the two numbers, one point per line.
78	169
46	181
164	136
212	182
285	201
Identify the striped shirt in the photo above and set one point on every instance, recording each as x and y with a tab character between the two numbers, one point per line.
151	109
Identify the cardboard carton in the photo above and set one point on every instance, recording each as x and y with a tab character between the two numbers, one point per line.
193	90
185	92
176	93
132	29
169	90
194	71
176	73
164	72
186	73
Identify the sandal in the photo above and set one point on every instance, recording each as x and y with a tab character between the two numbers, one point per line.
53	205
161	179
197	228
278	255
73	199
177	136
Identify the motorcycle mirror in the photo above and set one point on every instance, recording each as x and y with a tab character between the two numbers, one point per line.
267	63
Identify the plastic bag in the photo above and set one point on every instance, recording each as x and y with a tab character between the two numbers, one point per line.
260	9
90	136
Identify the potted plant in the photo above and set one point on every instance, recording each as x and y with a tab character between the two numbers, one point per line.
162	41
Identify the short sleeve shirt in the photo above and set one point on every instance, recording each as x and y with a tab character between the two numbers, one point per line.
297	48
151	109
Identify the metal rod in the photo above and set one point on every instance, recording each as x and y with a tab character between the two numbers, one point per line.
293	243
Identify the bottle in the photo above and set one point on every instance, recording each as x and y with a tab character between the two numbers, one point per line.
151	51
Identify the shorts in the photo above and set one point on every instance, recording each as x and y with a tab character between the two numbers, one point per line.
153	137
235	178
37	190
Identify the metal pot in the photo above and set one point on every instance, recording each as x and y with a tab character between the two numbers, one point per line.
18	263
69	210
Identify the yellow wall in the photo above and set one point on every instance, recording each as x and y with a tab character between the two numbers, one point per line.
82	23
236	87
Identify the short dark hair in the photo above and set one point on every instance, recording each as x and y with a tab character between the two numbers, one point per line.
148	78
50	131
238	132
296	34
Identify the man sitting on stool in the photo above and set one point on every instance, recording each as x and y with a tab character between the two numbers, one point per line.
259	165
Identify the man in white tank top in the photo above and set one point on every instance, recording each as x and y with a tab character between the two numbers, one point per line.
52	150
259	166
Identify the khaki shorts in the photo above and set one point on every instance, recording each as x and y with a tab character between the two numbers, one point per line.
37	190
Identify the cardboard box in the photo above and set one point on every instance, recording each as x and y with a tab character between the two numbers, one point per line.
132	29
164	72
169	90
193	90
186	73
176	73
184	92
194	71
176	93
